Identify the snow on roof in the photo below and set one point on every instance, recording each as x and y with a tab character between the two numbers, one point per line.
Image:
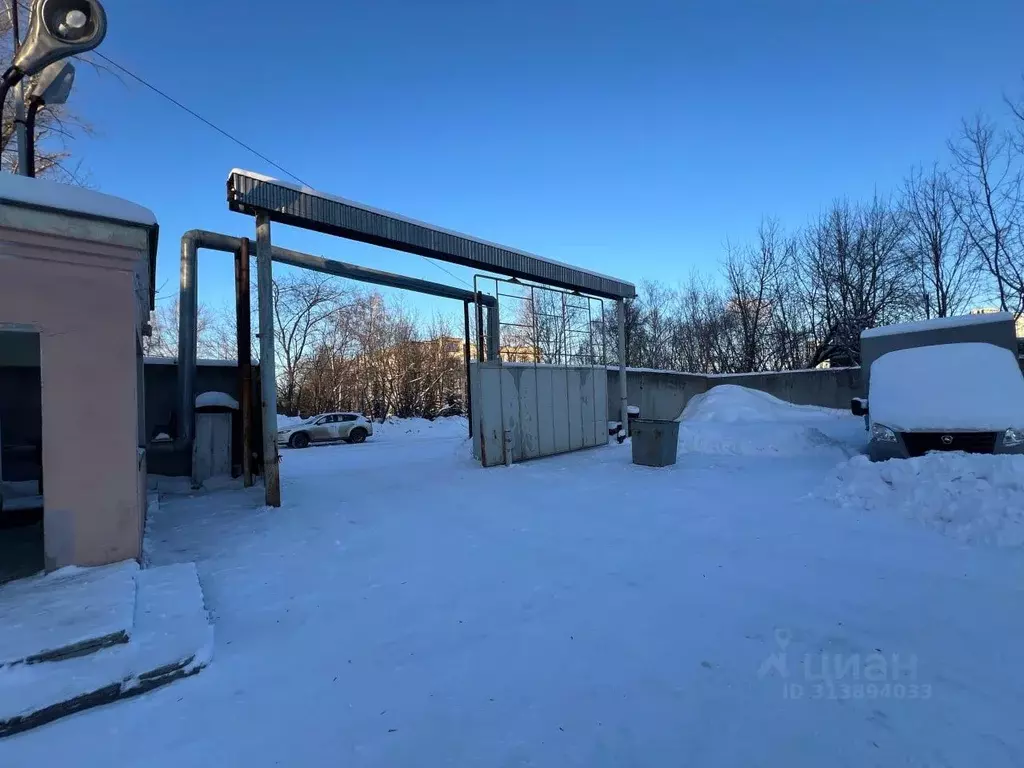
41	193
968	386
938	322
216	400
408	220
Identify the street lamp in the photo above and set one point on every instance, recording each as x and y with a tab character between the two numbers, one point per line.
51	88
57	29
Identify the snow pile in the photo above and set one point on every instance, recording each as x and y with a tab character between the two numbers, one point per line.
973	498
730	403
416	427
947	386
734	420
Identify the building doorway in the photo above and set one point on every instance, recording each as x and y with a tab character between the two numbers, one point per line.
21	454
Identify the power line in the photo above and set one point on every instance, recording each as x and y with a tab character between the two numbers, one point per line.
199	117
236	140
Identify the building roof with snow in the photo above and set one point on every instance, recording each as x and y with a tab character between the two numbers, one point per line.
66	199
938	323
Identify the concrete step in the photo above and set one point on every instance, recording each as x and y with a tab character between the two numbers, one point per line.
67	613
170	638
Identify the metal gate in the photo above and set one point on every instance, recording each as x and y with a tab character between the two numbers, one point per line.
539	381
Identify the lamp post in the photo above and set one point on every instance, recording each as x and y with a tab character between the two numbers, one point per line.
57	29
50	89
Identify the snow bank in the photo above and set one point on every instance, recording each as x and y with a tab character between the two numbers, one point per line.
947	386
445	426
733	420
50	194
760	439
730	403
216	400
973	498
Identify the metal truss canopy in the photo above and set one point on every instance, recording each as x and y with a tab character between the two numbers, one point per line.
287	203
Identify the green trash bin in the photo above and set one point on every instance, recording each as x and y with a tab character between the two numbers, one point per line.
655	442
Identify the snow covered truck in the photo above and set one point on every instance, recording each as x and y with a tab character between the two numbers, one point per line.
948	384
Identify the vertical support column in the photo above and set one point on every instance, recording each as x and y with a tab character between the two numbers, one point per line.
188	300
620	311
243	325
465	360
493	333
268	373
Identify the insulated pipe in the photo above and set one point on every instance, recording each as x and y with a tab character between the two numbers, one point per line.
188	306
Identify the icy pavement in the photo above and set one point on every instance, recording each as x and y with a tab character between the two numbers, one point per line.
407	608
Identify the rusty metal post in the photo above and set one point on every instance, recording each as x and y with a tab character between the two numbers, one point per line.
243	324
465	358
268	371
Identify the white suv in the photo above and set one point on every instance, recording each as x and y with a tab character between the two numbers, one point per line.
326	428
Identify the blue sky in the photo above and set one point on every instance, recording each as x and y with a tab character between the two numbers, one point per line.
630	138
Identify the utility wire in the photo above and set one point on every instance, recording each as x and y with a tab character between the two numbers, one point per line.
197	116
236	140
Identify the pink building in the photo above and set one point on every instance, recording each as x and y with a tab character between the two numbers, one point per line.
76	289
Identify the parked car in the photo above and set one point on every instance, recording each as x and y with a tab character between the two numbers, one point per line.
946	397
326	428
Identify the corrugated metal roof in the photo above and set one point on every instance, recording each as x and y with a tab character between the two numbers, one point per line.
287	203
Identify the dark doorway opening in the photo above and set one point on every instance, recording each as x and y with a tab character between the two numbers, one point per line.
21	454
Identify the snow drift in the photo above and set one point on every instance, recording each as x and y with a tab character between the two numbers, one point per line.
730	403
734	420
973	498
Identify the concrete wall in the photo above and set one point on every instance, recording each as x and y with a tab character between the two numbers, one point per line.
546	409
73	282
664	394
828	387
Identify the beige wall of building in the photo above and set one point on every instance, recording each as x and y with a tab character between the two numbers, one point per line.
83	285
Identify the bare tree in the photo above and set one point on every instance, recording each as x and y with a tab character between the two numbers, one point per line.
163	340
853	277
302	305
56	126
938	246
753	275
989	206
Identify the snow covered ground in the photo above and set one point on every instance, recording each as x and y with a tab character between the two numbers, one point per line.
407	608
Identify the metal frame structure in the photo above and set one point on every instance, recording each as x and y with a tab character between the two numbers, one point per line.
562	338
269	199
286	203
194	240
